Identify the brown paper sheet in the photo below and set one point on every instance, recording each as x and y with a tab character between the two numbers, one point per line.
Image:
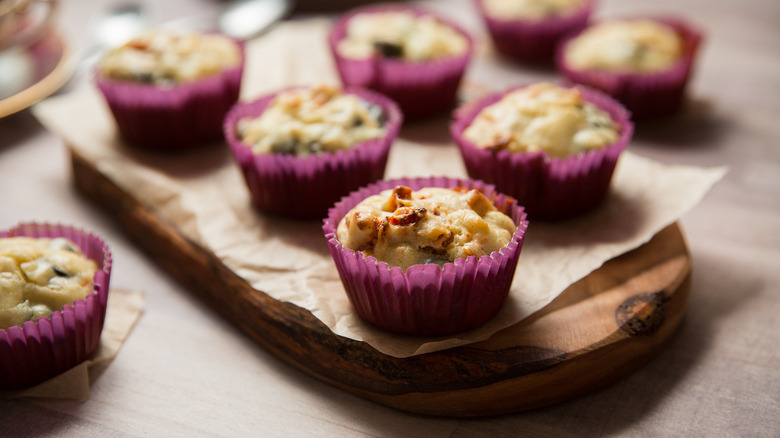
124	309
204	196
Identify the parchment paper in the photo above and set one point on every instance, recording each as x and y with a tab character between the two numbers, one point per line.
203	195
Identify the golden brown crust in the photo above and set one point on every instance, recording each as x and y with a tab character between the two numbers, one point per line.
432	225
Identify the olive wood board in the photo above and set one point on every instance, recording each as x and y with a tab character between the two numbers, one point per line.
598	330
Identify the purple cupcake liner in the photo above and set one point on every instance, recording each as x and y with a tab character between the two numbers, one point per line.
646	95
549	188
181	117
427	300
421	89
534	41
41	349
306	187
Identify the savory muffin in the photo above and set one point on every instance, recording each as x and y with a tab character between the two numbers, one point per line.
529	9
54	285
166	58
411	55
625	45
529	30
543	117
302	149
400	34
38	276
170	91
429	256
551	147
645	63
403	227
312	120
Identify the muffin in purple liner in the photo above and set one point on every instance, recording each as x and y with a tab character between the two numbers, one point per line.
304	148
529	31
554	148
45	346
419	70
170	91
437	296
645	63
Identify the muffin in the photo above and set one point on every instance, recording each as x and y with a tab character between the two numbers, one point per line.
302	149
529	30
645	63
552	147
53	292
170	91
408	54
426	256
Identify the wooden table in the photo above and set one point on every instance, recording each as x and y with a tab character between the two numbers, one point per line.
185	370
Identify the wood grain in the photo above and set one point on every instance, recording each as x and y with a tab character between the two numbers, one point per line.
600	329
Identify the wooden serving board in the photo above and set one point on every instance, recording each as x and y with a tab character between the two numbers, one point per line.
598	330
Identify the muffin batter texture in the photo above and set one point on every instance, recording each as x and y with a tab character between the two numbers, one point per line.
432	225
166	58
39	276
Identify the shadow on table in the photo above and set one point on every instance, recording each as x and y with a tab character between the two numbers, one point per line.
17	128
696	126
621	406
434	131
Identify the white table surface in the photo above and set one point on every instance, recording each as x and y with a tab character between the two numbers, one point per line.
185	371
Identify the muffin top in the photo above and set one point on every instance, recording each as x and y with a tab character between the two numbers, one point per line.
432	225
543	117
402	35
629	45
529	9
39	276
312	120
163	57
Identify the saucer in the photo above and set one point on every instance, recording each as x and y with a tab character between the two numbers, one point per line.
32	73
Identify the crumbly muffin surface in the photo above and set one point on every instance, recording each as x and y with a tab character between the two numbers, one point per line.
630	45
312	120
543	117
39	276
166	58
432	225
529	9
402	35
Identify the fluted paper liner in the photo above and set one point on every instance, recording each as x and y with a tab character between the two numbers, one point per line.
421	89
534	40
427	300
306	187
180	117
646	95
549	188
50	345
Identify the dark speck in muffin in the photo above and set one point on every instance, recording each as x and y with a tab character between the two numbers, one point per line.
59	272
145	77
389	50
287	147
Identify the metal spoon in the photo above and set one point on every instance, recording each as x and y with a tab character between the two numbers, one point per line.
245	19
119	25
110	30
240	19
